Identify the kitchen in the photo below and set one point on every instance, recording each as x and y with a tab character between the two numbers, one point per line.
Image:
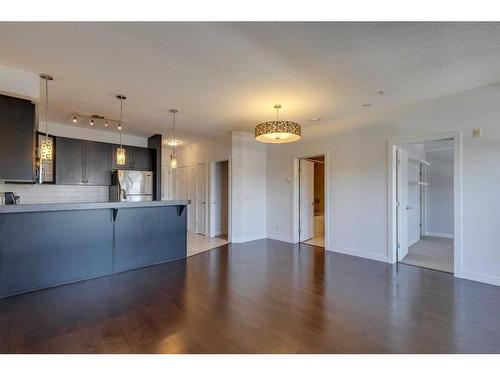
76	208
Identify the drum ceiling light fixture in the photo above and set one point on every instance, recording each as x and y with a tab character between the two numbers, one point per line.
278	131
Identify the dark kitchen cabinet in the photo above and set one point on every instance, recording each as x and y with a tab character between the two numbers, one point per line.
80	162
70	161
97	166
17	118
138	158
143	159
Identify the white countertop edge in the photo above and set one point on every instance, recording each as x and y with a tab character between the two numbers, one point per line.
17	208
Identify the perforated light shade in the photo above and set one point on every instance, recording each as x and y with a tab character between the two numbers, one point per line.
278	132
120	156
46	149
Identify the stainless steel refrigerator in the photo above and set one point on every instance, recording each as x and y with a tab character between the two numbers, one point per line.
131	186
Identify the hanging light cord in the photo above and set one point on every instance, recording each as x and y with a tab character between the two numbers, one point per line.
46	109
121	117
277	115
173	137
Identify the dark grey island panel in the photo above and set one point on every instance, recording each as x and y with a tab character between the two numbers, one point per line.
43	249
48	245
166	238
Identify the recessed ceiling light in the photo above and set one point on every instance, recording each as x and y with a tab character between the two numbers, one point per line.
364	105
315	119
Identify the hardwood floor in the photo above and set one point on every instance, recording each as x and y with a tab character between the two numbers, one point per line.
259	297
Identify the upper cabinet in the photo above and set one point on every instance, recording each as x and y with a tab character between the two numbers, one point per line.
98	163
137	158
80	162
143	159
70	161
17	119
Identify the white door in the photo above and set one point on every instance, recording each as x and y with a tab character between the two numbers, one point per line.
182	183
201	203
168	183
402	202
306	200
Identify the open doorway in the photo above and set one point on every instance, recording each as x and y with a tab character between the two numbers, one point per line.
425	204
312	200
219	199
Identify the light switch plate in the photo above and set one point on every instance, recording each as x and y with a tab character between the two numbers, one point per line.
476	133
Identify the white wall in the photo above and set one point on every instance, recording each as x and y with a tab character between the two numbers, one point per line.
91	134
249	191
439	202
20	84
358	176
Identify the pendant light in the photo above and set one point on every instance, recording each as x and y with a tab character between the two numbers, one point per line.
173	157
46	147
120	152
278	131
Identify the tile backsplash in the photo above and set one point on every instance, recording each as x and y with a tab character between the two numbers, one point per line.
47	193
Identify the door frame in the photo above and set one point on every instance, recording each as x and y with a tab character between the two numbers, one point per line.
211	177
457	192
295	196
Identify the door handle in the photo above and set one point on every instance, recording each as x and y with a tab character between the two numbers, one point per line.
408	207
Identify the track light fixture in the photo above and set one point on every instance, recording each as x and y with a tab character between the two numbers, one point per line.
95	120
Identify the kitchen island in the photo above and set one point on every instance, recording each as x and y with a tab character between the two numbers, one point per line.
44	245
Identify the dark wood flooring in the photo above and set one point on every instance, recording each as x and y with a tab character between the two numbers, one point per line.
259	297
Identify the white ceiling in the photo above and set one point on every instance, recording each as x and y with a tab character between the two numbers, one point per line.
227	76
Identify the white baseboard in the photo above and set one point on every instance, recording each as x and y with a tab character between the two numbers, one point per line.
488	279
361	254
248	239
442	235
279	238
413	242
219	233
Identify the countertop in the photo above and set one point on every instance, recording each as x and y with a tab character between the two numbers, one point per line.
16	208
